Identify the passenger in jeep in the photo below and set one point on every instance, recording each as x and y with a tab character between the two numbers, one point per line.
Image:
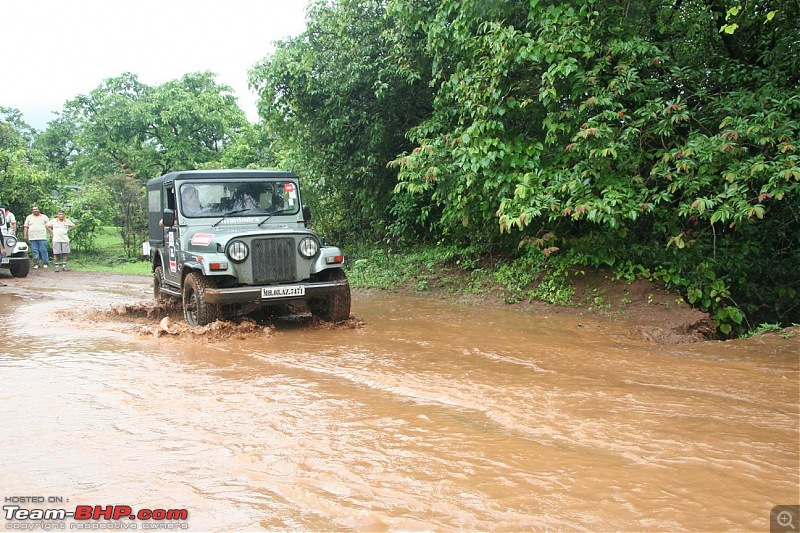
244	198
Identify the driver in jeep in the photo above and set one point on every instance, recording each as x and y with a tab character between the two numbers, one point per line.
190	199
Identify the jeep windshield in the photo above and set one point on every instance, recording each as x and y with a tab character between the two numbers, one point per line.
229	198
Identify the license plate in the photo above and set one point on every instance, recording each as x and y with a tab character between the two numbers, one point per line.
282	292
5	261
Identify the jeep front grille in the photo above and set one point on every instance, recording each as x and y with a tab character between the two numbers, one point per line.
274	260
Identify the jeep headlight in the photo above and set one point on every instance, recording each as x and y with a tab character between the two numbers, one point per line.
308	247
11	242
238	251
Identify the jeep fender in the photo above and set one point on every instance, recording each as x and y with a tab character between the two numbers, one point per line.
329	257
156	260
191	266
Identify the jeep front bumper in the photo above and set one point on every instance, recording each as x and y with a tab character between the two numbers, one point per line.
8	260
266	294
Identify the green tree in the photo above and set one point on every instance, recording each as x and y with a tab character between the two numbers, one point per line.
252	147
57	144
22	181
191	120
638	125
340	110
131	216
112	123
126	126
91	206
481	134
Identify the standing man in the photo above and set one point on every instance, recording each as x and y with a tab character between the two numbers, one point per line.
58	228
35	231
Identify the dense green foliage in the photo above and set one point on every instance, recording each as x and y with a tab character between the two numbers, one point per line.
607	131
341	110
656	138
659	139
22	180
129	127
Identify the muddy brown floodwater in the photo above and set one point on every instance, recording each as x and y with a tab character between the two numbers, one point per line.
418	414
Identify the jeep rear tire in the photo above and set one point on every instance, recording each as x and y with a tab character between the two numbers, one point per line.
196	311
20	269
336	306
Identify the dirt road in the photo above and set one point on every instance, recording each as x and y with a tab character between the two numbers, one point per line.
417	414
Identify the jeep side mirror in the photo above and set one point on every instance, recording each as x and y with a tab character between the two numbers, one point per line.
169	218
306	214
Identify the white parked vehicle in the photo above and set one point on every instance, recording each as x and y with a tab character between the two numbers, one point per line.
16	260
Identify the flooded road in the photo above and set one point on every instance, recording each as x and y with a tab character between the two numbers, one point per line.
433	415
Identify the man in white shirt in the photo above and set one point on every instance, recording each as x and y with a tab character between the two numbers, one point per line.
35	232
59	228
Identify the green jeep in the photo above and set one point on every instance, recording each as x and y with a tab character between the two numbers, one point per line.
231	242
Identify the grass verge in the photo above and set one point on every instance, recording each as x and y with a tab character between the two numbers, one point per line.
458	271
109	257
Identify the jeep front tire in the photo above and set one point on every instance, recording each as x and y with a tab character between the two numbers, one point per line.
196	311
20	269
336	306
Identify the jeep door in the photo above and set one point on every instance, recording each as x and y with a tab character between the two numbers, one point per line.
172	243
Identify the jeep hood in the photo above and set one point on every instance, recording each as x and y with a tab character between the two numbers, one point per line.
221	235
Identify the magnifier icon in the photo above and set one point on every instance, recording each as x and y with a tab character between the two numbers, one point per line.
785	519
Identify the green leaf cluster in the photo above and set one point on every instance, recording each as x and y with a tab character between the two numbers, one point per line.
644	136
22	180
340	108
127	127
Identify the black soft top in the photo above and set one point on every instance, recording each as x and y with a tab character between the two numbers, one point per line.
156	183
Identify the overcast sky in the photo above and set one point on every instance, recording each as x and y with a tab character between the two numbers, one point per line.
54	50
